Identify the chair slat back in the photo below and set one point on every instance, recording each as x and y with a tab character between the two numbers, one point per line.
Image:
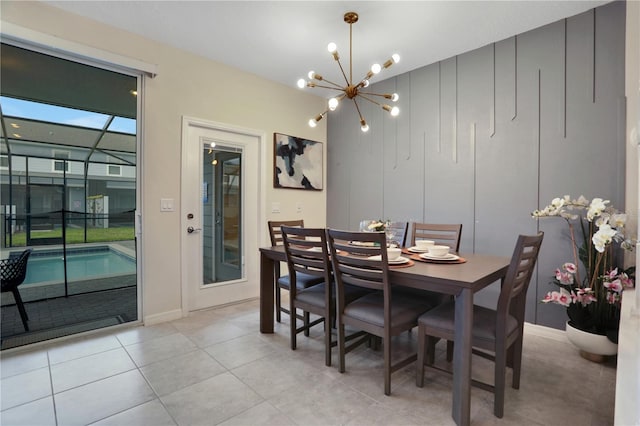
514	290
399	232
275	233
350	253
307	252
14	270
442	234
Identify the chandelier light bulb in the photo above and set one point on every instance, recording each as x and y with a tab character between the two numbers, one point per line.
331	47
301	83
333	104
364	126
395	97
376	68
396	58
311	75
312	123
395	111
365	83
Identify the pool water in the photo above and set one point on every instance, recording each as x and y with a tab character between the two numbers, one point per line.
81	265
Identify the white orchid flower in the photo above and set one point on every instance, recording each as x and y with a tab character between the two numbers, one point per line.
603	237
596	208
619	220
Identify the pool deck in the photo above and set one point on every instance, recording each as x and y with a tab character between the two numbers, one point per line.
88	302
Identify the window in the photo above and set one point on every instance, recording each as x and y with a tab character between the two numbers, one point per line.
4	162
113	170
60	165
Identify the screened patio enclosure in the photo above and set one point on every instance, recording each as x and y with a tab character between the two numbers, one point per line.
68	168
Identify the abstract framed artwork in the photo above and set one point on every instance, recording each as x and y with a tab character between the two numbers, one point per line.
297	163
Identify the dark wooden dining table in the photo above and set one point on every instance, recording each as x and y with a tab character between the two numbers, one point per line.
461	280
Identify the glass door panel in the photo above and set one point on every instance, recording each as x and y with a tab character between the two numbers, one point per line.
222	213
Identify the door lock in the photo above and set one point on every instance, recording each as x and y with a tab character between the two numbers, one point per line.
191	229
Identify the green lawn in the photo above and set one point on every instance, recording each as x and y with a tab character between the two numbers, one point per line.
76	236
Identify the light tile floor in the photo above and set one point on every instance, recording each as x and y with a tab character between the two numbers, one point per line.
214	367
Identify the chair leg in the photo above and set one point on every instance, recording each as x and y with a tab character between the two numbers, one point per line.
278	303
422	340
499	381
327	341
449	350
431	349
341	347
516	360
20	305
293	325
386	348
306	323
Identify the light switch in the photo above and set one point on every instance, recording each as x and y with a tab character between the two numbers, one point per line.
166	205
275	207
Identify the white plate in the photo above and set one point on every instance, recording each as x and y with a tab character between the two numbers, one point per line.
415	249
398	261
449	256
362	244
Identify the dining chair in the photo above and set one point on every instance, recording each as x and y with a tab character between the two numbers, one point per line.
307	253
381	313
282	281
12	273
442	234
497	333
397	233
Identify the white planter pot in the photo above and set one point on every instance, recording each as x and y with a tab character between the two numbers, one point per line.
594	344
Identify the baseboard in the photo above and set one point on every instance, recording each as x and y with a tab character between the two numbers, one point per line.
162	317
548	332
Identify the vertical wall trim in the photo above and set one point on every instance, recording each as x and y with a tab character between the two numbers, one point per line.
410	144
395	126
454	141
472	143
439	148
424	174
564	95
515	77
594	57
538	161
492	111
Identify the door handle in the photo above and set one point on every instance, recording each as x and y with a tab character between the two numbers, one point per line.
191	229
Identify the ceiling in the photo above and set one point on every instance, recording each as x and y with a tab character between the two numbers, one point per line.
283	40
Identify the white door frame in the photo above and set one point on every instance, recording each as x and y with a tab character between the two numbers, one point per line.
188	122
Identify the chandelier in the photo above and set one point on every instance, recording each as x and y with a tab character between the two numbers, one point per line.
349	89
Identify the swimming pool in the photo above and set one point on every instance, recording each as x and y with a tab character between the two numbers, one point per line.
82	264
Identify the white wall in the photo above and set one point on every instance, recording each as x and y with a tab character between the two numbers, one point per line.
193	86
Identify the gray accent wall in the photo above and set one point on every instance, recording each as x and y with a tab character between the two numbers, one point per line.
488	136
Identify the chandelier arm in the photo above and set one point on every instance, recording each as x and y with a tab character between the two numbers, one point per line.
340	89
332	83
358	108
369	99
342	70
382	95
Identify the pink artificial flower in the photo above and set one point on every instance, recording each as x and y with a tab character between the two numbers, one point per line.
625	280
564	277
584	296
612	298
612	274
562	298
615	285
570	268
